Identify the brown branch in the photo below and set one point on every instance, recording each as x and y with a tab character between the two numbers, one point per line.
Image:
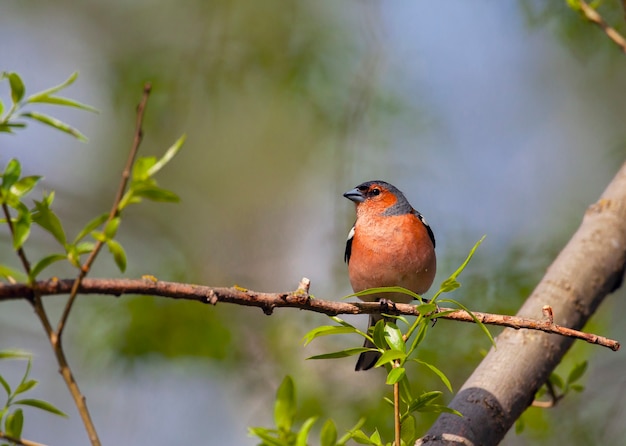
86	267
21	441
593	16
267	302
20	252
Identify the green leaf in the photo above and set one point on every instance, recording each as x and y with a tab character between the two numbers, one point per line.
375	438
17	87
390	356
422	329
12	275
5	385
360	437
408	430
395	375
448	285
44	263
303	435
55	123
423	400
577	387
425	309
378	334
25	386
577	372
385	289
110	229
50	91
285	407
266	435
128	198
99	236
167	157
154	193
328	436
14	354
7	127
84	247
119	255
14	424
556	380
444	379
141	167
406	394
59	100
393	337
72	256
327	330
24	185
21	226
89	227
39	404
350	434
11	174
342	353
48	220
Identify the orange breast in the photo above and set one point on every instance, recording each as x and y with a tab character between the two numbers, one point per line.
392	251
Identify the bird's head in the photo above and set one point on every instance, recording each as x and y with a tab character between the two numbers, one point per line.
378	197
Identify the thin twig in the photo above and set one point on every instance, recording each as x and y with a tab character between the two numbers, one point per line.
269	301
396	411
21	441
554	398
20	252
34	297
86	267
593	16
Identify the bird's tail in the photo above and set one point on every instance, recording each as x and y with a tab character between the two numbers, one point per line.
367	359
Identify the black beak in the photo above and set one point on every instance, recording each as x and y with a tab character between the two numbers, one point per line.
355	195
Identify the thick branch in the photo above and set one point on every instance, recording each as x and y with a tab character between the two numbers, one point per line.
589	268
269	301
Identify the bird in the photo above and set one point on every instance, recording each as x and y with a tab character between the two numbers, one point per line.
390	244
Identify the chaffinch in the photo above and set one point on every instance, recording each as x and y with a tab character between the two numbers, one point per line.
389	245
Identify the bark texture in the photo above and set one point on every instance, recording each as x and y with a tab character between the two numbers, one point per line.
590	267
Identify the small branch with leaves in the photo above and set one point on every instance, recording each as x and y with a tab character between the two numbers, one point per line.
137	182
268	302
591	14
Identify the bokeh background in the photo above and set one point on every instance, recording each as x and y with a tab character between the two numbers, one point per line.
496	118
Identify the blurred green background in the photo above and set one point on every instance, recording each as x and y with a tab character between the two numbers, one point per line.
496	118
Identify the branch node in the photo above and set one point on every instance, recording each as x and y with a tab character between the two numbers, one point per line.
548	313
212	297
303	286
268	309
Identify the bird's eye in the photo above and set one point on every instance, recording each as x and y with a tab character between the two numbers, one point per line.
375	191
